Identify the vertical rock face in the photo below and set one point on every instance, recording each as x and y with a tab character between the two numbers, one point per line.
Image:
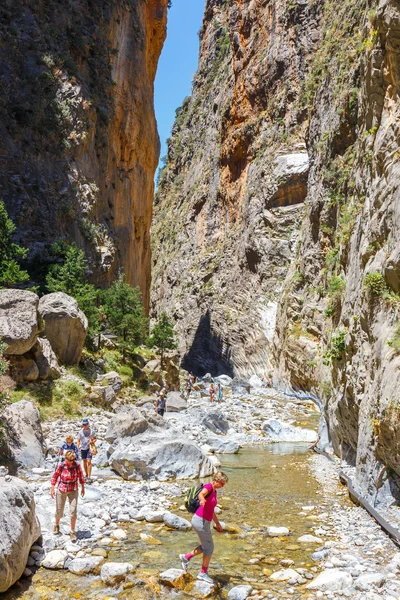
231	196
338	327
78	143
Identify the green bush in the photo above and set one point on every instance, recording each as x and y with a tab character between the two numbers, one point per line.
375	282
394	342
337	346
10	254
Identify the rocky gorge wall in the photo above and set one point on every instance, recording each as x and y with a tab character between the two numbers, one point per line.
231	197
277	214
78	144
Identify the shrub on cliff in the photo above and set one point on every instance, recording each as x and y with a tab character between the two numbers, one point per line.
162	335
10	254
4	396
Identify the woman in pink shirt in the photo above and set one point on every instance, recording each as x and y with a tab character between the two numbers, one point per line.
201	523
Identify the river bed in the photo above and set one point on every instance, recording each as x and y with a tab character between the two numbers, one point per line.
268	486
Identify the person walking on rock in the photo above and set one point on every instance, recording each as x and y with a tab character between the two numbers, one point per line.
219	393
201	523
212	392
160	404
68	474
69	445
86	437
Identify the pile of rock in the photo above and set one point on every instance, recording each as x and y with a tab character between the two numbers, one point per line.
24	317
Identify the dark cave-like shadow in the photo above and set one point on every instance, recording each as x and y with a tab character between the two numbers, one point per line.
208	353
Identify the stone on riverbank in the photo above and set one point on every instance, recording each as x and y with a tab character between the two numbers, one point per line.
127	423
114	573
277	531
240	592
86	565
175	402
283	432
176	522
19	529
331	580
161	458
223	446
285	575
202	589
175	578
364	582
215	421
55	559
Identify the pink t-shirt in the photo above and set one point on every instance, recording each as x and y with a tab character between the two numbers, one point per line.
207	511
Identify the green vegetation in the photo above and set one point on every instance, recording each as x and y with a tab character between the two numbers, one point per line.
394	342
162	335
376	284
125	315
4	395
70	277
337	346
10	253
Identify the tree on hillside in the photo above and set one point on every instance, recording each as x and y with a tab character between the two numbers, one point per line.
162	336
10	253
70	277
4	396
125	314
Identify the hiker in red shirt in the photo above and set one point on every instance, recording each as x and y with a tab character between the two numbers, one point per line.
68	474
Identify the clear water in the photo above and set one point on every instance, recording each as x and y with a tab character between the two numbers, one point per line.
267	487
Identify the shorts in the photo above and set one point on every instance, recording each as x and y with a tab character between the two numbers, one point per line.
203	529
61	498
85	454
161	411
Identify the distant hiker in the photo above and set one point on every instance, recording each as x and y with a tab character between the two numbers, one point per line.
212	392
189	386
219	393
161	403
68	473
69	445
86	436
201	523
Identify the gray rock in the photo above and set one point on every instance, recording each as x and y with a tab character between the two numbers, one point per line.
175	402
203	589
46	360
175	578
19	529
223	445
162	458
114	573
114	380
216	421
283	432
331	580
19	325
85	565
24	432
65	326
240	592
364	582
176	522
128	423
23	368
55	559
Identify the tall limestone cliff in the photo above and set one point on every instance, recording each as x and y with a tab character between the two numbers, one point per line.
277	219
78	142
231	196
338	328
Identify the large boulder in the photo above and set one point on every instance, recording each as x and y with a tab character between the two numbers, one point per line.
65	326
25	441
46	360
23	368
283	432
162	458
175	402
19	529
215	421
19	325
127	423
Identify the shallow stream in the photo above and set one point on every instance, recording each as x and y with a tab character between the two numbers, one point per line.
268	486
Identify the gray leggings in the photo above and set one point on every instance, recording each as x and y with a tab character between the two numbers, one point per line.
203	529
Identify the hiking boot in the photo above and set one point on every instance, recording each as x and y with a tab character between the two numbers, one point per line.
72	536
205	577
56	529
184	561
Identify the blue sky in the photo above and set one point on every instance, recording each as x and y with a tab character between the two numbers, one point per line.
178	63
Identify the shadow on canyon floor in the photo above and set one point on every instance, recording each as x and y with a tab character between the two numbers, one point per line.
208	353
